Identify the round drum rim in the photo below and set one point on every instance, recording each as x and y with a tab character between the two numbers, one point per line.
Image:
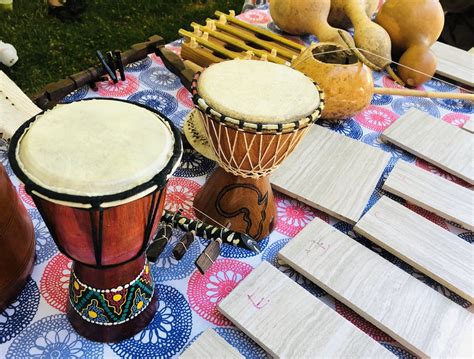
159	180
253	127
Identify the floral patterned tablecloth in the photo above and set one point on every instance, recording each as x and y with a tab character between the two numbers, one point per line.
35	324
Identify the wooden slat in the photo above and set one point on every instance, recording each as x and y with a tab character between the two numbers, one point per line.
331	172
426	246
454	63
433	193
15	107
269	46
258	30
199	55
237	43
210	45
210	345
289	322
435	141
469	126
414	314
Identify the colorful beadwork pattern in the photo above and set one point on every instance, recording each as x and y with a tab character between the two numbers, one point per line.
35	325
115	305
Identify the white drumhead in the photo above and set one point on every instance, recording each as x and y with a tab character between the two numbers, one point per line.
258	91
95	148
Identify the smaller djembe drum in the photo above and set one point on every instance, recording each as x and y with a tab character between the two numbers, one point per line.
97	171
254	115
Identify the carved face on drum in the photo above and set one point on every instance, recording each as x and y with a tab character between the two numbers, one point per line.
97	171
254	114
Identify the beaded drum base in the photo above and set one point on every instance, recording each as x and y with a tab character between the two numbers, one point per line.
112	312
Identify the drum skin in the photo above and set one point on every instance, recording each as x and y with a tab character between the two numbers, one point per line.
17	242
123	231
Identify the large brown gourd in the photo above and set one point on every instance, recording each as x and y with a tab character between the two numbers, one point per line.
413	26
338	18
301	17
368	35
347	83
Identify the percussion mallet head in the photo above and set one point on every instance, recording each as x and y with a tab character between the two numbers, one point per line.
183	245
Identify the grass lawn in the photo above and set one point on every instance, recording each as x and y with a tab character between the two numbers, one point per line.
49	49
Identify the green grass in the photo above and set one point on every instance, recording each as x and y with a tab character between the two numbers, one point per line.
49	49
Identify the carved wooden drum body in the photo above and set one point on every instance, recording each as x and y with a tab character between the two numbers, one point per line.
254	114
17	242
97	171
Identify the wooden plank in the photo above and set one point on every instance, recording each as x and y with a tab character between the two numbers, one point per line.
420	318
210	345
438	142
426	246
454	63
15	107
469	126
331	172
289	322
433	193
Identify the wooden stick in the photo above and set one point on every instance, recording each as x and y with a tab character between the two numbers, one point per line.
200	55
289	54
192	66
418	93
238	43
212	46
260	31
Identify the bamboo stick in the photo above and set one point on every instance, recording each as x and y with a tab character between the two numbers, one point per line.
192	66
260	31
249	37
206	43
418	93
238	43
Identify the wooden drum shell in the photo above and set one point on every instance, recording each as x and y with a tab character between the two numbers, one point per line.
17	242
123	229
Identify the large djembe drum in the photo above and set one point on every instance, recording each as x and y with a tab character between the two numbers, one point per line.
254	114
97	171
